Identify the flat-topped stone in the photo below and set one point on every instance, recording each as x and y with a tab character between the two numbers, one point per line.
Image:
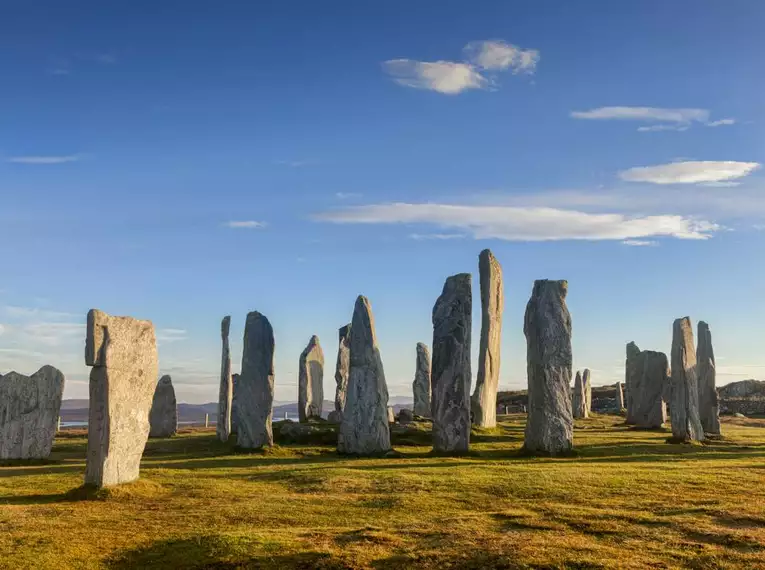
163	417
255	386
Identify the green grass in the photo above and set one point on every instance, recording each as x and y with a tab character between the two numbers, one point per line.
627	499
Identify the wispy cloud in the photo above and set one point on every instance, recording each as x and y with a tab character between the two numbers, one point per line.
245	224
44	159
655	128
170	335
296	163
639	242
691	172
421	237
501	56
14	311
722	122
667	119
347	195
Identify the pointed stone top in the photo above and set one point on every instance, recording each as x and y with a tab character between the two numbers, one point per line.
225	325
632	349
422	347
578	379
313	345
256	316
362	327
165	380
585	374
344	332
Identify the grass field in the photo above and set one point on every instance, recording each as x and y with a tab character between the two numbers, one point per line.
626	500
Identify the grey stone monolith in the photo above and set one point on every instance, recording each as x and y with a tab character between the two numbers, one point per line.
450	369
547	326
234	412
631	370
391	415
620	396
484	399
686	424
342	367
365	429
311	381
709	407
587	383
421	385
123	354
649	379
226	388
163	417
579	398
255	387
29	411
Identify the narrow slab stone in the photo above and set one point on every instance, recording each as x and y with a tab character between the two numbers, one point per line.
255	387
342	369
686	424
391	415
123	354
650	376
29	411
587	383
547	326
451	374
311	381
620	403
579	398
709	407
365	429
226	388
484	400
163	417
631	371
234	412
421	384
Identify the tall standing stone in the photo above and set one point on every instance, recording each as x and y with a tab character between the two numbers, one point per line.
450	372
342	369
255	388
226	389
123	354
421	386
547	326
365	429
587	381
630	374
686	424
620	396
649	380
709	407
234	405
484	400
163	417
311	381
29	411
579	398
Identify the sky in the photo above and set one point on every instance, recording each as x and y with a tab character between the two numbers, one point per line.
179	161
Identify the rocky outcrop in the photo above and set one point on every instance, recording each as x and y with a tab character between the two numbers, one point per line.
743	389
311	381
686	424
163	417
29	411
649	381
709	407
547	326
484	399
579	398
421	384
226	388
450	372
587	382
365	429
342	368
630	375
255	387
123	354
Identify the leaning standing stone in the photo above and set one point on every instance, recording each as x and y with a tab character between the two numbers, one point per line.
421	384
450	380
342	368
365	429
163	417
255	388
709	408
579	398
631	372
123	354
226	389
547	326
311	381
484	400
686	424
29	411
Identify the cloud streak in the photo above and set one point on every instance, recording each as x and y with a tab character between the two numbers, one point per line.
667	119
43	159
690	172
245	224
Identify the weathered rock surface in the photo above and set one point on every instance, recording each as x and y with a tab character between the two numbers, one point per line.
547	326
579	398
620	403
649	381
226	389
311	381
421	384
405	416
123	354
234	412
342	368
365	429
29	411
484	399
451	375
255	387
335	417
587	382
686	424
709	407
163	417
391	415
630	373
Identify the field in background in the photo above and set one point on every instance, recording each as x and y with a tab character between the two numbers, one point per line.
626	500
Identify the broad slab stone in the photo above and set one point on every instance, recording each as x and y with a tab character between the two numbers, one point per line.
342	369
709	407
365	429
234	410
255	388
123	354
405	416
649	381
620	395
311	381
421	384
484	400
547	326
29	411
579	398
226	389
587	383
450	380
630	374
163	417
686	424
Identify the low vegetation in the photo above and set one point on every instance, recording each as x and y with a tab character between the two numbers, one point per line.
627	499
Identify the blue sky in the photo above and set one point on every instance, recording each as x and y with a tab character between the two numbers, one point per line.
180	161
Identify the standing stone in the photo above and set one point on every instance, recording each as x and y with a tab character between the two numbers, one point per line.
163	417
587	383
421	384
547	326
630	374
255	388
579	398
620	396
450	402
123	354
709	408
650	377
234	417
484	400
311	381
341	371
29	411
226	389
686	424
365	429
391	415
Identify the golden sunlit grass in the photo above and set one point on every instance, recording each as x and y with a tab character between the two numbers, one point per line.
626	500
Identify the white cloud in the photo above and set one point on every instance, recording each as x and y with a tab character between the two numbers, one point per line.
436	236
347	195
655	128
29	312
722	122
692	172
447	77
245	224
649	114
524	223
639	242
43	159
501	56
